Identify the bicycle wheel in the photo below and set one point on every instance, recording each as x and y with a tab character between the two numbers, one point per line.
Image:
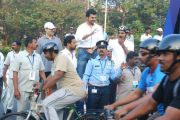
91	117
16	116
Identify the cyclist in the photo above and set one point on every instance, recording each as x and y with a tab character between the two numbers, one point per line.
70	87
149	81
168	91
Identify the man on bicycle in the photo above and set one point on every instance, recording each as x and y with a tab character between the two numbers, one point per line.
150	79
168	91
70	87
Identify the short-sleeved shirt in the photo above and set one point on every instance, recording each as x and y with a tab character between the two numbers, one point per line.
41	42
71	79
149	80
10	61
132	76
90	41
118	54
98	72
164	94
25	64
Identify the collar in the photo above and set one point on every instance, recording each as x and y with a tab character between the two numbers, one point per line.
98	58
27	54
45	37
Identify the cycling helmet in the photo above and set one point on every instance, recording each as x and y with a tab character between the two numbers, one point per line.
150	44
170	43
51	47
122	28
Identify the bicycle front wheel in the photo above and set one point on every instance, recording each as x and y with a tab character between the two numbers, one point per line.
16	116
91	117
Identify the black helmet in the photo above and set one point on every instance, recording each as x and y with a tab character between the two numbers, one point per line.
170	43
122	28
51	47
150	44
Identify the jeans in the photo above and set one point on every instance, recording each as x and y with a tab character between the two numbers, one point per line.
83	57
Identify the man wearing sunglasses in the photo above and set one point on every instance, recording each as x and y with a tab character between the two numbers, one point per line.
168	91
150	79
97	76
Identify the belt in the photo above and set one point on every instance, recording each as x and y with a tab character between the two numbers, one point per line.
97	86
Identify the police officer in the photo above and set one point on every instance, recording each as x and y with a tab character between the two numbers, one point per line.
97	74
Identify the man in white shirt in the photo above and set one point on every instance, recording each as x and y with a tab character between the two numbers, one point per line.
87	35
1	72
70	46
146	35
159	35
27	72
121	47
8	65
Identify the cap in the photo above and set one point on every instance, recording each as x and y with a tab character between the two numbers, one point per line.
102	44
159	29
49	25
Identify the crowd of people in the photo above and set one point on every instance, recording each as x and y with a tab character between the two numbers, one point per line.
88	69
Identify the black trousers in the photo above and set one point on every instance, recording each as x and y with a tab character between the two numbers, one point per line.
98	97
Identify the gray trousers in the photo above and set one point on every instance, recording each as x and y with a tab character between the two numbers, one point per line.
57	101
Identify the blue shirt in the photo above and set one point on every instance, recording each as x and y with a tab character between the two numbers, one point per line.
150	80
98	72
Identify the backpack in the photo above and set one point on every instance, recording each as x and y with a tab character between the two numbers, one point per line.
175	89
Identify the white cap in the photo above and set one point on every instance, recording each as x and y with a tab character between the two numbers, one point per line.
49	25
159	29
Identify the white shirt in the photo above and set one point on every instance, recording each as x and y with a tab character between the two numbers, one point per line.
1	64
158	37
90	41
71	56
10	61
118	54
26	64
144	37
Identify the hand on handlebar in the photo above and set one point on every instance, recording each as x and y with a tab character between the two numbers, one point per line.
120	113
110	107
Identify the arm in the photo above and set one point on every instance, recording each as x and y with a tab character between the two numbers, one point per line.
127	108
15	82
125	49
87	72
170	114
42	76
129	98
142	109
51	80
4	74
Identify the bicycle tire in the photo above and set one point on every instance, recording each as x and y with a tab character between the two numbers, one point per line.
13	116
90	116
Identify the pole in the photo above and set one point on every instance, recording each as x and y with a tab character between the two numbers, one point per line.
88	4
105	17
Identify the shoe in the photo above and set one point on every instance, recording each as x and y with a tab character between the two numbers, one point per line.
8	111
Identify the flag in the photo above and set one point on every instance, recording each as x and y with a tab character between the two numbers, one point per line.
172	23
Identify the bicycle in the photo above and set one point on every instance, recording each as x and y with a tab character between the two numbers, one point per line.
35	112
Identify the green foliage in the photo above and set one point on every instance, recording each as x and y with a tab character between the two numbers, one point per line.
5	50
27	18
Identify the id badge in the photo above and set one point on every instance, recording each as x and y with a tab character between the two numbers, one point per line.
102	78
135	84
94	90
32	75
